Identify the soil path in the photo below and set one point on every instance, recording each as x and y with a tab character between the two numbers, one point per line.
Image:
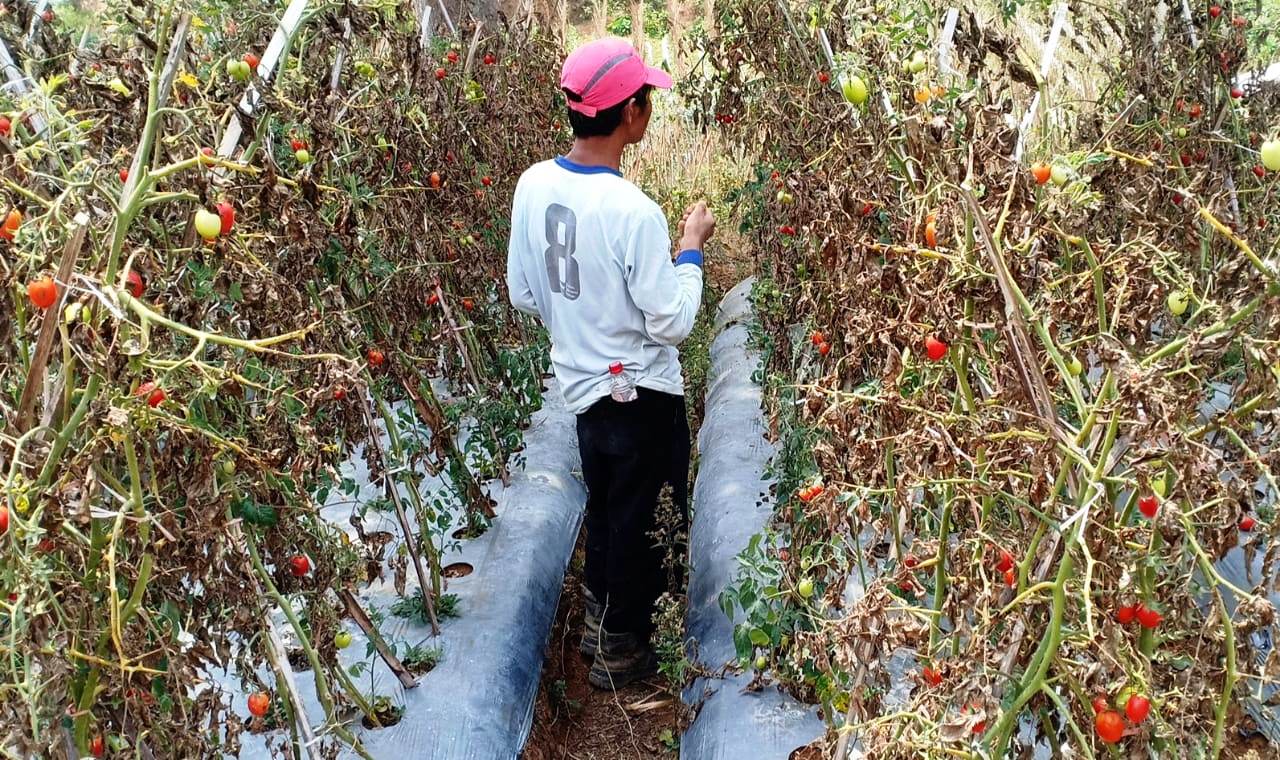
574	721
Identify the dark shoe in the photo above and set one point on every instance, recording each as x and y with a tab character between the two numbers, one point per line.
590	624
621	660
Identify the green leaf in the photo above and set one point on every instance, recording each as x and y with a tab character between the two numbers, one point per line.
759	637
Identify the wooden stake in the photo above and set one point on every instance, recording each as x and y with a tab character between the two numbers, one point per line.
52	319
393	493
358	614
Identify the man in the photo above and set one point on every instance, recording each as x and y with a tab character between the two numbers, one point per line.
590	254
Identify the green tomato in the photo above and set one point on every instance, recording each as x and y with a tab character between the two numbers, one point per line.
1182	133
785	198
1159	486
365	69
762	662
854	89
228	467
208	224
1271	155
1177	303
1060	175
303	156
805	588
342	639
917	62
1074	366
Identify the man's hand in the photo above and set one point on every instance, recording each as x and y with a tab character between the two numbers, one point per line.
696	227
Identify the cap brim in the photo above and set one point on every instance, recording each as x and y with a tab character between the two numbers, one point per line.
658	78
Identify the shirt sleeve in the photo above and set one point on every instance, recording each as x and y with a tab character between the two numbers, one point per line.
518	289
668	294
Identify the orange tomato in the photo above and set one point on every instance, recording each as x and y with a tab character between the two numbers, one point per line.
11	224
259	703
923	95
1041	172
42	292
931	235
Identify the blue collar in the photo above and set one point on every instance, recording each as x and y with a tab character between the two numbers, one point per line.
576	168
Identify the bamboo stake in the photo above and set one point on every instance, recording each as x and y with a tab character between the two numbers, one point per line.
271	59
1046	63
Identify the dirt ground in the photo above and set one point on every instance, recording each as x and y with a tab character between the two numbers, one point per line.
574	721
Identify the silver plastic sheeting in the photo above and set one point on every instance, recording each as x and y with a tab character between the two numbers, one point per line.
477	704
730	504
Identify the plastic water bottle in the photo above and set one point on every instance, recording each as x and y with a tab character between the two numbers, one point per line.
623	388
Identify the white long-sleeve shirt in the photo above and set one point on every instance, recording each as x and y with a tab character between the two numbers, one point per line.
590	254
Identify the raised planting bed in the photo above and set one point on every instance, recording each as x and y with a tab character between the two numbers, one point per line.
478	679
731	503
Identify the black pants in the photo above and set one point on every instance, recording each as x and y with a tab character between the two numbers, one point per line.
629	452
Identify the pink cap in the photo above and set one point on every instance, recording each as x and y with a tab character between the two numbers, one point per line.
606	72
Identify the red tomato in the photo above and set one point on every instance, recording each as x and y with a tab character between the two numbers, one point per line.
339	394
824	348
490	59
1006	561
4	519
297	144
1148	618
1100	704
1110	726
1195	111
98	746
1260	171
133	281
910	561
934	348
6	126
817	338
434	180
1247	522
1237	92
1125	614
1138	708
124	175
867	208
1215	11
441	74
931	676
787	229
259	703
451	56
1177	197
227	213
252	60
486	181
1010	578
823	77
468	304
433	299
153	393
1148	505
375	357
42	292
299	565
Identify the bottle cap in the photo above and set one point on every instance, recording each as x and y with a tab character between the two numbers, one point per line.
615	368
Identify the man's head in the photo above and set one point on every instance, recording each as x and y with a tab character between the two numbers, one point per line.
607	84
